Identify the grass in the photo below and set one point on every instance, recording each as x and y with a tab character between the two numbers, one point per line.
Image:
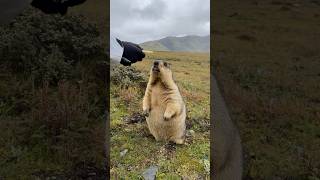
191	72
266	60
51	128
44	128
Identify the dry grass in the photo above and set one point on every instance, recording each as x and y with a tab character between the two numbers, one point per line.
128	95
266	57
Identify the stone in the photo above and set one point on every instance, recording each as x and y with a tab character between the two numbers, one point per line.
150	173
124	152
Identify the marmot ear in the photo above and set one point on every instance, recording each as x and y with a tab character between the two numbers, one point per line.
166	64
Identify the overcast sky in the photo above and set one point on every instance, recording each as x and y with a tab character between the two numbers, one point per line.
144	20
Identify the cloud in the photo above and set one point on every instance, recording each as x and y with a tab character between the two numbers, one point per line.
143	20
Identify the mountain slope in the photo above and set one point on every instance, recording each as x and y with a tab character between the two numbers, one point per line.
186	43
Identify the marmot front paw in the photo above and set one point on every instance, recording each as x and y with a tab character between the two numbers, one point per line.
146	111
167	115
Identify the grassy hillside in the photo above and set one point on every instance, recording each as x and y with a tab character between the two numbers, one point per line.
266	57
129	132
154	46
186	44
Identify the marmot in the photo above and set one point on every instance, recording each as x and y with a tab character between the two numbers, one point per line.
164	106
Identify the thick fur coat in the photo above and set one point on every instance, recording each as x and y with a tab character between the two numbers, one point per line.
164	106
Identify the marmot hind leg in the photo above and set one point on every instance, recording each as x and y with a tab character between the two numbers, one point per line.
179	141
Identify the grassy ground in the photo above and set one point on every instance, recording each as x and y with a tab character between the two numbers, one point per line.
266	57
52	121
191	72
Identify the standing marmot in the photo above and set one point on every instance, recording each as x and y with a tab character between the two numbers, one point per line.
164	105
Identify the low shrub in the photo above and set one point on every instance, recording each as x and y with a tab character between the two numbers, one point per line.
47	46
127	76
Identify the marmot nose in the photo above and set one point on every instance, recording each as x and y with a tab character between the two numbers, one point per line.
156	63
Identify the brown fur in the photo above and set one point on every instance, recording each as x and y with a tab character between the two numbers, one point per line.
164	105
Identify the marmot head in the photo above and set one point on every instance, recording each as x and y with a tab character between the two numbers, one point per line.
161	70
160	67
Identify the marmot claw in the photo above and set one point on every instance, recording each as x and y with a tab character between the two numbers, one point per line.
146	112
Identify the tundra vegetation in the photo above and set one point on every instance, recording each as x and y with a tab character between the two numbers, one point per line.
133	148
266	58
52	98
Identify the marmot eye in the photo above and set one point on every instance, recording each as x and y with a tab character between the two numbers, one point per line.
165	64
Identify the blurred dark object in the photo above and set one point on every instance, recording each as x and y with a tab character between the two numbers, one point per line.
132	51
9	9
55	6
124	61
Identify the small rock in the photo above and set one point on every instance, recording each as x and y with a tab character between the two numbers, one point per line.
206	163
129	168
150	173
124	152
191	132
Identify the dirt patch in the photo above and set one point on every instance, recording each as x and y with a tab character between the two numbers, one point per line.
201	124
168	150
135	118
170	147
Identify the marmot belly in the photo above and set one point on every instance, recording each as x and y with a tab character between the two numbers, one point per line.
161	129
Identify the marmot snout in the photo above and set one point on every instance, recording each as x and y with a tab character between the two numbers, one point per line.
164	105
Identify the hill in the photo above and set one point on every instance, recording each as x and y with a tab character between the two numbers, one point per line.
186	43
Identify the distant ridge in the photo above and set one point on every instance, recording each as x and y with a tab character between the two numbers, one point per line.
189	43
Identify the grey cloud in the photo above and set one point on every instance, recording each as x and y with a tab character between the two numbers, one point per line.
155	10
154	19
